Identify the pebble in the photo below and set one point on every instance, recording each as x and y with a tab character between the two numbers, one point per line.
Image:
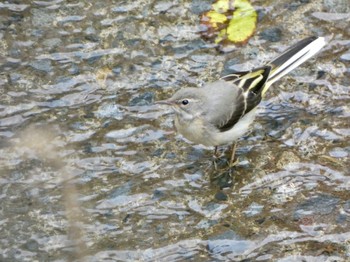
337	6
32	245
229	66
286	158
347	206
272	34
41	18
221	196
158	194
142	99
42	66
316	205
52	43
229	234
253	210
200	6
345	57
338	153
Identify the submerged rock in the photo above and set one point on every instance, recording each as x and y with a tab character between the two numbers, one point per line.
273	34
316	205
142	99
42	66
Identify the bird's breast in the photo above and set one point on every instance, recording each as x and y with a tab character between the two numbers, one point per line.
193	130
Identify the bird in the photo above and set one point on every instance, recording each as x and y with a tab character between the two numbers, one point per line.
221	112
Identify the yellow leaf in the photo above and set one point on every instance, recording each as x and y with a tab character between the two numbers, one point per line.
243	23
229	21
221	36
221	6
216	18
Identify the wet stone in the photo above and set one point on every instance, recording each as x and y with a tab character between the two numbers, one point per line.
260	220
126	218
117	70
160	229
321	74
110	111
163	6
42	18
253	210
224	180
206	224
157	153
10	64
93	59
346	80
345	57
337	6
229	234
229	66
195	154
87	149
317	205
16	18
221	196
168	38
122	190
228	243
261	14
158	194
170	155
200	6
32	245
273	34
15	52
92	38
287	158
14	77
190	46
342	219
52	43
142	99
42	66
338	153
347	206
74	69
295	4
212	206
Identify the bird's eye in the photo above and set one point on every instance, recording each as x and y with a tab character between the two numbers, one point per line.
184	102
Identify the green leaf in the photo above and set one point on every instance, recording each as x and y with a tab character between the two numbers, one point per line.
221	6
216	18
230	21
243	23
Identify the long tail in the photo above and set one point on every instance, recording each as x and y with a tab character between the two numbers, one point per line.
293	57
260	79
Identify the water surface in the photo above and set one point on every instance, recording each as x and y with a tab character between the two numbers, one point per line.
91	169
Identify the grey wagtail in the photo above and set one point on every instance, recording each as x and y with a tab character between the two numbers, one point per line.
222	111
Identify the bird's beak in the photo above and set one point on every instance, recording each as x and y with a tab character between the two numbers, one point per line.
164	102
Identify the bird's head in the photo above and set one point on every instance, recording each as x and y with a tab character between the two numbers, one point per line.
187	103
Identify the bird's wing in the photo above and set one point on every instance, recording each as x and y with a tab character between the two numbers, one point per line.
256	82
243	91
250	86
224	105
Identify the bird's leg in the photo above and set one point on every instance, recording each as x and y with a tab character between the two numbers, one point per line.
233	161
216	152
215	156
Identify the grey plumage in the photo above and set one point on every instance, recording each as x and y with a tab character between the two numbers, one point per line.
222	111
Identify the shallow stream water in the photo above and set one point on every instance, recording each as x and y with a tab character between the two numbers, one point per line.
92	170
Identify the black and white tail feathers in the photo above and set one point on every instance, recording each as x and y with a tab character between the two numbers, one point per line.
260	79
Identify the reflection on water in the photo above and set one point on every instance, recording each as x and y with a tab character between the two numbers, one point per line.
91	169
